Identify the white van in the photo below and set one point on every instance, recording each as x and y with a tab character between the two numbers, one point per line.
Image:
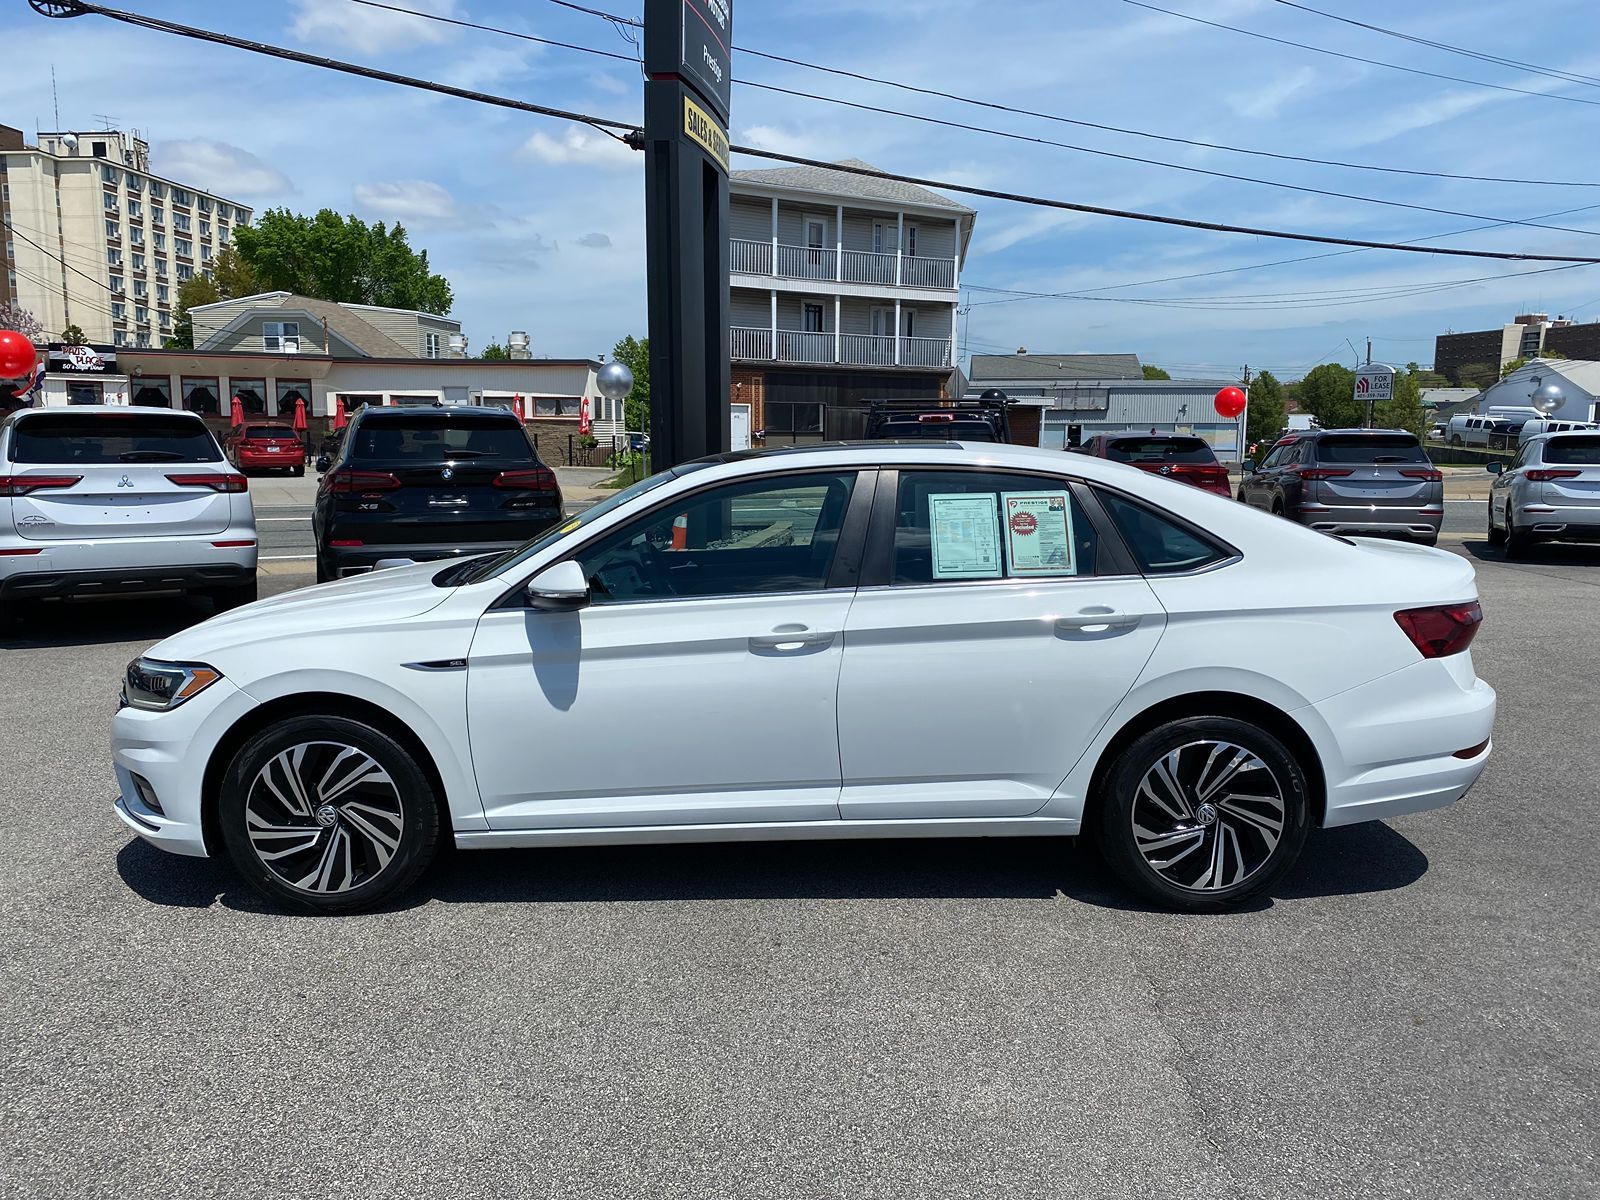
1470	429
1546	425
1513	412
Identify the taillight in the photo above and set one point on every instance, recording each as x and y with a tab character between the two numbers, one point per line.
1443	629
1323	472
21	485
1428	474
348	482
217	483
540	479
1544	475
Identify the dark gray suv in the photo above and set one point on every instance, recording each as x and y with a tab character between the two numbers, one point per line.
1370	482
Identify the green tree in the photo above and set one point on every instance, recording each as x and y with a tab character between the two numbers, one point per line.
494	351
72	335
634	353
1151	371
20	320
1266	414
1516	364
1477	375
233	276
1328	394
343	259
192	293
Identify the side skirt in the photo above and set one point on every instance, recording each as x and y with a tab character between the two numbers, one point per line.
797	831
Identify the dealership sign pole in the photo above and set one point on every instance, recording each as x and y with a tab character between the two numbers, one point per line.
686	61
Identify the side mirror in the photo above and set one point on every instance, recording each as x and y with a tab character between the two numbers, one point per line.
1248	466
323	463
561	588
1497	467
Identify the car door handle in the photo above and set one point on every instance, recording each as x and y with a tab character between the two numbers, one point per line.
789	638
1097	620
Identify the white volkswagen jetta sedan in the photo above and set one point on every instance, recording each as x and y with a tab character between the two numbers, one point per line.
877	640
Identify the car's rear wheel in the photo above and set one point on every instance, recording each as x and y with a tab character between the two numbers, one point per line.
299	471
1517	543
328	815
1496	535
1203	813
236	596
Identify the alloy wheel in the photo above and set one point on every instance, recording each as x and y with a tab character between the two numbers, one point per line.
324	817
1208	815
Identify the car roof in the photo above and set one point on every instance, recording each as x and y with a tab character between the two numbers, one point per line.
1563	433
392	412
104	409
1318	434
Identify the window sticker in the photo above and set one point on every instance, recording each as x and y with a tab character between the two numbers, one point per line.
1039	537
965	532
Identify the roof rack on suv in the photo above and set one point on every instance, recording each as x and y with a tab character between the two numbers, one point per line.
983	419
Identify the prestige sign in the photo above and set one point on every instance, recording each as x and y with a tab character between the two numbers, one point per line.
707	45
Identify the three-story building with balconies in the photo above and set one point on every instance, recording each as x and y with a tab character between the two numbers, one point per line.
844	288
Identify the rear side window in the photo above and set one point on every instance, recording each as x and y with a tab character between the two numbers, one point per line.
1160	545
269	433
955	525
1160	449
1370	450
1573	451
98	438
431	436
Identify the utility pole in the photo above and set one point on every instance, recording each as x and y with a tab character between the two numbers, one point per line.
1369	352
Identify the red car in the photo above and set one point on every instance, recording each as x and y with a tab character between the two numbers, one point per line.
265	446
1177	456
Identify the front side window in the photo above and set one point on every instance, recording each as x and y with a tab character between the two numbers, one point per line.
1160	544
958	525
748	538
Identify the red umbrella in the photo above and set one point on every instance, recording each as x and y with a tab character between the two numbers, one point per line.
238	411
339	420
299	415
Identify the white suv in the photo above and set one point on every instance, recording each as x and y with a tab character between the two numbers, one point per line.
102	500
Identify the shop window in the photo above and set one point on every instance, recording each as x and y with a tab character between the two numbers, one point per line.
202	396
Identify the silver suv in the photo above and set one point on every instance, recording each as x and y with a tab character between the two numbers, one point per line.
102	500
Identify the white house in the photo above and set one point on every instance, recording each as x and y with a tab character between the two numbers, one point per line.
1578	379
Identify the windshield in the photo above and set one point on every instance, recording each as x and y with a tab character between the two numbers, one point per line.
1573	451
502	563
1163	449
1370	449
435	436
91	438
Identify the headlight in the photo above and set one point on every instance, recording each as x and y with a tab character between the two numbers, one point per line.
161	685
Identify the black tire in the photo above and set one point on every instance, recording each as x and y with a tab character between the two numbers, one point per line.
1252	855
1517	543
325	573
1455	439
358	845
299	471
1496	536
1277	508
236	596
1431	540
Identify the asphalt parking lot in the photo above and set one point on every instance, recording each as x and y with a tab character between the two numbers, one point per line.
1412	1014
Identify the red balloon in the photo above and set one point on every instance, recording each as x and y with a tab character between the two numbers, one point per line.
16	355
1230	402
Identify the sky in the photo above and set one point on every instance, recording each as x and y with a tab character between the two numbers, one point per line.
538	224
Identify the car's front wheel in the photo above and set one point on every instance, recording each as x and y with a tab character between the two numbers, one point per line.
328	815
1203	813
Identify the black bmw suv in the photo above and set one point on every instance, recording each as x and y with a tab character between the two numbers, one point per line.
430	482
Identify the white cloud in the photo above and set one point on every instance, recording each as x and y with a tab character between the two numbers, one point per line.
416	200
1266	99
220	168
370	30
595	241
580	146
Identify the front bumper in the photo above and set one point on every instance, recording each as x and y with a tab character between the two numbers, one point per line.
169	751
1390	746
115	566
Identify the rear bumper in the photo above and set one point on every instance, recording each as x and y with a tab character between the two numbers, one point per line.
1559	522
352	560
262	462
1373	520
1390	746
126	565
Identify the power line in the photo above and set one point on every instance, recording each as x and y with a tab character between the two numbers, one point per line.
1008	108
73	8
1534	68
1372	62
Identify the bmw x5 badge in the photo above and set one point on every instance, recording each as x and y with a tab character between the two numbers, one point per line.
447	474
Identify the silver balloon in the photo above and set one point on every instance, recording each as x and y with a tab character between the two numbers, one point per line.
1549	398
614	380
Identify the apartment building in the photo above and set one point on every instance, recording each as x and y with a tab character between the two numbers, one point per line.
843	288
93	239
1482	353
